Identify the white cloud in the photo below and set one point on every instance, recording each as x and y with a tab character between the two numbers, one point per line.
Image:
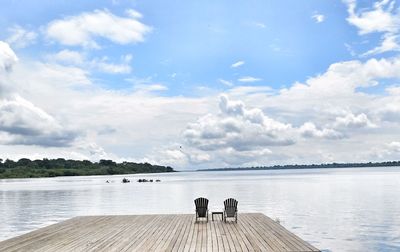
21	122
68	57
353	121
235	135
21	37
237	127
343	78
309	129
150	87
389	43
381	18
275	126
104	66
237	64
350	49
319	18
74	58
24	123
7	57
260	25
387	151
83	29
225	82
249	79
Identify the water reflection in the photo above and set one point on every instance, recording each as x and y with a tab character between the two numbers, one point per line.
336	209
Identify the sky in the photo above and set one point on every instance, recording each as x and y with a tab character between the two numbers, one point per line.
200	84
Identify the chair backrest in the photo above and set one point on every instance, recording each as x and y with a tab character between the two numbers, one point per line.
230	207
201	206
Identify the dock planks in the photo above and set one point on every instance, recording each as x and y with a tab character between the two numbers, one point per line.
253	232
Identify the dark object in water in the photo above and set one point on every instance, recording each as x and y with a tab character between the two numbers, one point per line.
125	180
107	181
147	180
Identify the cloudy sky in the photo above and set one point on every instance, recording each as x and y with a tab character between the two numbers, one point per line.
201	84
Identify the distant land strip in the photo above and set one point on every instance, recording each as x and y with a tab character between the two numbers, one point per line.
311	166
26	168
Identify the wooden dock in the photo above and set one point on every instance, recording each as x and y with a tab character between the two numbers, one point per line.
253	232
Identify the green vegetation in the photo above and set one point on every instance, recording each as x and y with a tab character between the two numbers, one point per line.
312	166
26	168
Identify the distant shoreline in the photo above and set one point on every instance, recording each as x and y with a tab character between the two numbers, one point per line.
311	166
26	168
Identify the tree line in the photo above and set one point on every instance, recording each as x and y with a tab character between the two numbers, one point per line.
26	168
311	166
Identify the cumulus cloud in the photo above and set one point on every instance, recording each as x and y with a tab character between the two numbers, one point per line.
83	29
343	78
380	18
354	121
387	151
309	129
21	122
7	57
27	124
237	127
21	37
383	18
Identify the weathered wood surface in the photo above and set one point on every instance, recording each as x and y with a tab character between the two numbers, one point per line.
253	232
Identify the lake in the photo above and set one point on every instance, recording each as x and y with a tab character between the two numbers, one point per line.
348	209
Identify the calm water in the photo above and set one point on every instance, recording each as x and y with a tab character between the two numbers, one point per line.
335	209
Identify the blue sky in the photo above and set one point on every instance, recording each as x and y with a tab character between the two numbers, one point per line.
199	40
242	83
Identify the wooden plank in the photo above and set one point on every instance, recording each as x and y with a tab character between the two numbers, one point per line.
150	240
223	236
279	238
174	241
184	238
148	231
128	230
191	235
268	236
253	232
35	236
218	237
259	243
244	244
213	238
158	242
134	232
284	233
